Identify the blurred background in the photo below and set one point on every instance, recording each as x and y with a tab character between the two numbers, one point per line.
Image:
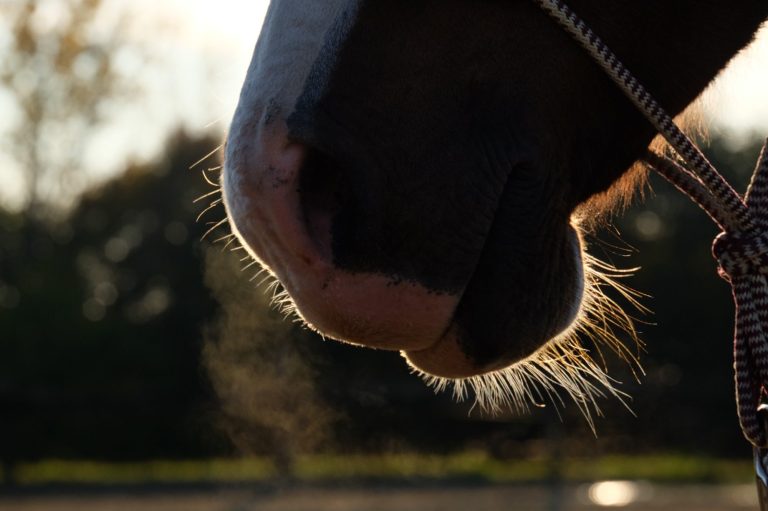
137	358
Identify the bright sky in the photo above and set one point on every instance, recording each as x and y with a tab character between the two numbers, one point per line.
203	48
199	52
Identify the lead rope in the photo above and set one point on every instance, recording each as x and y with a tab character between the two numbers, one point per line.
741	249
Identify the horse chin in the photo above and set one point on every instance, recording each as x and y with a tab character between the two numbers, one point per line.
447	358
557	364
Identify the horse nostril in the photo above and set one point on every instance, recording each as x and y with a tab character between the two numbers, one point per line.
321	193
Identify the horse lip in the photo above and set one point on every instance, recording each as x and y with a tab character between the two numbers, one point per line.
261	189
446	358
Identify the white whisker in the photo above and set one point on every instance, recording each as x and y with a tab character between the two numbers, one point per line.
209	208
258	274
217	191
214	226
229	237
249	265
232	239
201	160
209	181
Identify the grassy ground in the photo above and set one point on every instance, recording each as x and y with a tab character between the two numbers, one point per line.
467	467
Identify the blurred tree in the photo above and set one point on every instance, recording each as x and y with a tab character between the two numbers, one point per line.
100	343
101	321
59	71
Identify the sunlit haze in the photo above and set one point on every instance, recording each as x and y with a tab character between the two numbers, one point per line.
737	102
220	36
203	50
199	52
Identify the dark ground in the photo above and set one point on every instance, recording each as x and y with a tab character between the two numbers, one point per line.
489	498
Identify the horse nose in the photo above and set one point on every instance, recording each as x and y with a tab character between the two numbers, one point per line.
282	198
261	181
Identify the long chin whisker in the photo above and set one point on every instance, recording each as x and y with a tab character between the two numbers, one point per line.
563	368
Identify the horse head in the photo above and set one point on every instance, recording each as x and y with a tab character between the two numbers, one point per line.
416	173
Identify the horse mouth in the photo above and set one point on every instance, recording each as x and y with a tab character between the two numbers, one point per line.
282	211
282	207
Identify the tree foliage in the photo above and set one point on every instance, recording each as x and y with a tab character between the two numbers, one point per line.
111	344
60	72
101	316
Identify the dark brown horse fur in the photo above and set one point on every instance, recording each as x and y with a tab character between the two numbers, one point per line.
410	169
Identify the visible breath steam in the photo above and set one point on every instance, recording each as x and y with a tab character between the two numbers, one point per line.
255	363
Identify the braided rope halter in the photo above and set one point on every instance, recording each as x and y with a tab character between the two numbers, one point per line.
741	249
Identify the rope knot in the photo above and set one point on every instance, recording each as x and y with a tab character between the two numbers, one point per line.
740	255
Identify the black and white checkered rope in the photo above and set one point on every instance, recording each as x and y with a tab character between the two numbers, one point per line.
741	249
650	108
